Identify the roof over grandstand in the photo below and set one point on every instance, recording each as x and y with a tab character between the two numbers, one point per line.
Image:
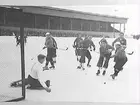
45	10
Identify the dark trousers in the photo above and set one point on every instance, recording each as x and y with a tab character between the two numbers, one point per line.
34	83
119	63
50	55
77	52
102	63
85	53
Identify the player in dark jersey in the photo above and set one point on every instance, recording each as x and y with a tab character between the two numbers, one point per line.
77	46
105	53
86	44
120	39
120	60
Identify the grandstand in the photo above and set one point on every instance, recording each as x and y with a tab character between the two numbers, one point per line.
60	22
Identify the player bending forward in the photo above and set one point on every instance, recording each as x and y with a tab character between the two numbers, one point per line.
120	59
34	80
51	46
105	53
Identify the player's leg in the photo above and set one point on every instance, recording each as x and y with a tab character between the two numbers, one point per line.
35	84
54	55
19	83
47	63
105	66
52	63
118	66
99	64
82	59
78	54
51	55
88	55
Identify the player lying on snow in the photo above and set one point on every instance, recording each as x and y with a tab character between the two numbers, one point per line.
34	80
82	50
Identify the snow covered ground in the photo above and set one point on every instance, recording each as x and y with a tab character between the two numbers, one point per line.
69	83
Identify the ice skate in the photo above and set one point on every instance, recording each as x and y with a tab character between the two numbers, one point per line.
98	72
52	67
45	68
104	72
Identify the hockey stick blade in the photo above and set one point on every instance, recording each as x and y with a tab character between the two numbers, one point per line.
130	53
63	49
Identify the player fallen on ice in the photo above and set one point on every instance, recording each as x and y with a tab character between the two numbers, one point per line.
77	46
86	44
105	54
120	59
51	46
34	80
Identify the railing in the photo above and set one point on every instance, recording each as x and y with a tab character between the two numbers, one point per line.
7	31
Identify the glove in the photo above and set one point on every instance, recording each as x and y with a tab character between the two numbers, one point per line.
94	49
44	47
56	47
48	89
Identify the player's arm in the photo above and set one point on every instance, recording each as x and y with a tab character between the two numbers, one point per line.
39	72
100	41
111	47
74	44
125	42
46	41
55	44
114	41
93	45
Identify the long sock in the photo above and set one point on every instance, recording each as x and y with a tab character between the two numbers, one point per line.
116	72
88	61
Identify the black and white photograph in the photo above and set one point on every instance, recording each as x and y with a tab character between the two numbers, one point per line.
70	52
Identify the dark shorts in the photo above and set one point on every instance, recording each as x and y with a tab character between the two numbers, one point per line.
51	52
83	53
88	55
34	82
77	52
119	63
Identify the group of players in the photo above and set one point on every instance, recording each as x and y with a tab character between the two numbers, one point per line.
84	46
82	50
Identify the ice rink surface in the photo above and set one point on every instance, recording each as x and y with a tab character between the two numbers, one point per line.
69	83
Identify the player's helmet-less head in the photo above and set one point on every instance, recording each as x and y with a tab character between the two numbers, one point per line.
121	35
79	35
47	34
41	58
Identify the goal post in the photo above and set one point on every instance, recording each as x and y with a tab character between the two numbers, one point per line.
22	52
21	58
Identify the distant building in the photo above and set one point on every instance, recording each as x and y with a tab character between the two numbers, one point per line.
60	22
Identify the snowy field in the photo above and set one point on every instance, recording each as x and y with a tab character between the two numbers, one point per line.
69	83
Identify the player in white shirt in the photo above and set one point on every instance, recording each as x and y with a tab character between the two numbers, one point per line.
34	80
